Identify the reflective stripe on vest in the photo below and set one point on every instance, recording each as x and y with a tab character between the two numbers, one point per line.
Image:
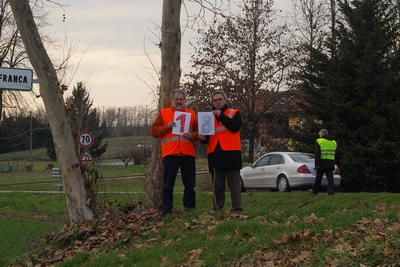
172	139
222	127
228	140
172	144
328	148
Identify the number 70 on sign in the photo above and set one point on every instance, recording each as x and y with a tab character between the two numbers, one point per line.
85	139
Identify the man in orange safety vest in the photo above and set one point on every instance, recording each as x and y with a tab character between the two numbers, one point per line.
177	149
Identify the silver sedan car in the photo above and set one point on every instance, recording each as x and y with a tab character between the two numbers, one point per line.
283	171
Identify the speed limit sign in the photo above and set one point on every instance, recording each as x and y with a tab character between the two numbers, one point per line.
85	139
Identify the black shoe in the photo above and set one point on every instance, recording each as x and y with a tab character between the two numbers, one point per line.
237	210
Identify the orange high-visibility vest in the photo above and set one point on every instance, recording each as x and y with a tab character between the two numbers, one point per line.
172	144
227	139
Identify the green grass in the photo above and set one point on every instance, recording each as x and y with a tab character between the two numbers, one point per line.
284	229
26	219
25	199
296	228
22	235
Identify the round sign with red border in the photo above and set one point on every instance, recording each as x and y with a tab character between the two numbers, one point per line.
85	139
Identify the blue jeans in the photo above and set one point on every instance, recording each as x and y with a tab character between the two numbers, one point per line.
188	171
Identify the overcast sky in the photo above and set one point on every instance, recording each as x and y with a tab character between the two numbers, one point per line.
111	38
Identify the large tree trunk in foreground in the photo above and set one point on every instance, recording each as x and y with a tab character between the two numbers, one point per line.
170	75
73	177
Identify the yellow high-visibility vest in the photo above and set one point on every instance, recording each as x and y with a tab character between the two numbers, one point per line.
328	148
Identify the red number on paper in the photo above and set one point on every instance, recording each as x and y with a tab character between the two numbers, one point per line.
182	118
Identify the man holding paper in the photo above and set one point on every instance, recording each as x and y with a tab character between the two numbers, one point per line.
224	152
177	128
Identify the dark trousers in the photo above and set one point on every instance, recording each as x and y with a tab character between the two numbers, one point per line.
318	180
232	176
188	171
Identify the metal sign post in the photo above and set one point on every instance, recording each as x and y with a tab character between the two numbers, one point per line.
85	140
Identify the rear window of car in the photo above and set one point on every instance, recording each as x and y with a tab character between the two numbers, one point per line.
302	157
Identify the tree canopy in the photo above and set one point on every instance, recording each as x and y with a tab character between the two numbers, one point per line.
16	133
83	118
352	89
246	55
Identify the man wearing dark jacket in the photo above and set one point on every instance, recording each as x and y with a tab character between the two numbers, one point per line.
325	148
224	152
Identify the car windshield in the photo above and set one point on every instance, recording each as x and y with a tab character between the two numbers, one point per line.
302	157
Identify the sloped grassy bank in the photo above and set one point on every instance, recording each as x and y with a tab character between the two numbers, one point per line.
276	229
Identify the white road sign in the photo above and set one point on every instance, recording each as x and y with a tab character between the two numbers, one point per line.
86	156
16	79
85	139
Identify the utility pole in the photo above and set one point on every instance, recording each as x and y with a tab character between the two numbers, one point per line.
30	136
146	115
119	122
104	118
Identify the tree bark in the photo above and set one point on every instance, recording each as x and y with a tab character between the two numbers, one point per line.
170	75
80	206
1	104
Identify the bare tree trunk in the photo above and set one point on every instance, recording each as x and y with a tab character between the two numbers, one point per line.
1	104
170	75
154	178
73	179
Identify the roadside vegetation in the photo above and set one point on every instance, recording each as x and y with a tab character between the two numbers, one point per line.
276	229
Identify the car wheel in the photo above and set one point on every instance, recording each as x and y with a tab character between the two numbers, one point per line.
242	188
283	184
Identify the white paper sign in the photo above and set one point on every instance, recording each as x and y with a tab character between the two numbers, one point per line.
206	123
182	122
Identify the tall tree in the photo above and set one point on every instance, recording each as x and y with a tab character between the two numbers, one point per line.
311	21
83	118
80	205
312	27
354	92
170	75
247	56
